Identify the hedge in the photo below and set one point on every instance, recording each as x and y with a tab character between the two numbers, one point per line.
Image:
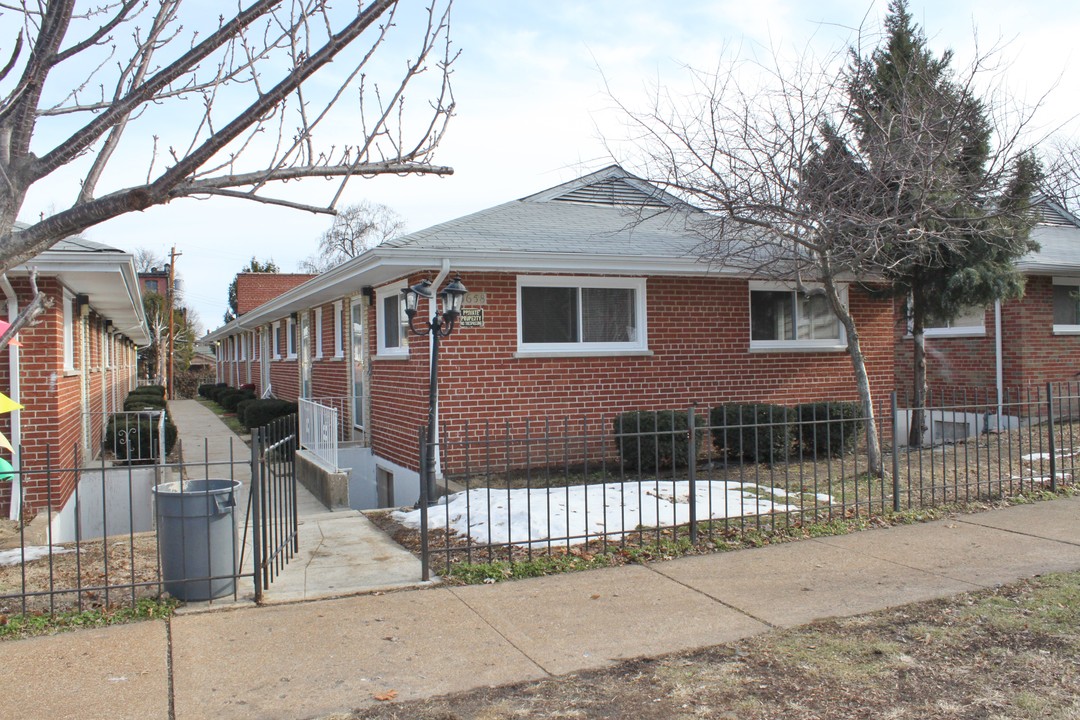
754	432
142	436
135	402
229	400
241	410
648	441
261	412
205	388
828	427
151	390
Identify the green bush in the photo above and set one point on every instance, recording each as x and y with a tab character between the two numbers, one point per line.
205	388
752	431
135	402
261	412
134	437
218	390
241	411
828	428
648	441
153	390
231	400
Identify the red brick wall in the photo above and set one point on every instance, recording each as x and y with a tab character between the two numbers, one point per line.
1031	353
703	358
254	289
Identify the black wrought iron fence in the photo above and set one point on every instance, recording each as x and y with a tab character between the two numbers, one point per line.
104	536
520	487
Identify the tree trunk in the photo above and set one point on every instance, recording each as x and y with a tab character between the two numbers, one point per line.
862	379
918	400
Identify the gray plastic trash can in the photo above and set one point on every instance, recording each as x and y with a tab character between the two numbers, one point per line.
197	536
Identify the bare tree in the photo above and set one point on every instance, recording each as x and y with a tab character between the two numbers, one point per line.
356	228
147	260
211	106
808	181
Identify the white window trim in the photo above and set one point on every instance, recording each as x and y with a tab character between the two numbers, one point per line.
339	345
69	333
402	351
318	333
1064	329
275	340
290	339
639	346
794	345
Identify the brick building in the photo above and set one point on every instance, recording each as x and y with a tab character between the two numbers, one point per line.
76	364
1018	343
579	305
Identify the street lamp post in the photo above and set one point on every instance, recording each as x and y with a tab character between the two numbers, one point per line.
440	325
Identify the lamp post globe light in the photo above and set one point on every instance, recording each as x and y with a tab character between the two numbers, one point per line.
439	326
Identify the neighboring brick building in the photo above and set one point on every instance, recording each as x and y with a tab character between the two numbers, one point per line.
1039	340
154	280
255	289
76	364
579	305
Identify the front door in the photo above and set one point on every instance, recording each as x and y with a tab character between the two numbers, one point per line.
305	355
356	376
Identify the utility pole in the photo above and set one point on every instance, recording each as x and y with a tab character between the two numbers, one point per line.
169	367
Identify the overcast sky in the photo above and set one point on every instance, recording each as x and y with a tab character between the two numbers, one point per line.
533	110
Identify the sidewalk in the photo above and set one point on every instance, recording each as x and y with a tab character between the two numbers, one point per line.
341	552
309	659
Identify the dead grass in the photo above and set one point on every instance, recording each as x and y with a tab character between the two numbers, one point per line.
1008	653
83	576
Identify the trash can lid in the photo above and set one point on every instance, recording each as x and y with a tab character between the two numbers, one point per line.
186	487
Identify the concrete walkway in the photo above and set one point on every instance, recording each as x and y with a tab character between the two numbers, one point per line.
341	552
310	659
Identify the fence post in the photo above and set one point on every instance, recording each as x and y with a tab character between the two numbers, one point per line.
425	561
895	456
691	424
1050	434
254	501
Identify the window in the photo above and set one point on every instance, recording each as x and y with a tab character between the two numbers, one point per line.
339	347
290	339
1066	306
275	339
581	315
393	324
69	333
106	356
785	319
969	322
152	286
318	333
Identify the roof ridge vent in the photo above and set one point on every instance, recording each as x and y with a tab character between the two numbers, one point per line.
611	191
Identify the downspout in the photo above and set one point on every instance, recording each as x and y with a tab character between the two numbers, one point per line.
433	308
16	415
998	360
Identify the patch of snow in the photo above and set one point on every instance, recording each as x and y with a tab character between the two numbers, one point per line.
31	552
1032	457
524	516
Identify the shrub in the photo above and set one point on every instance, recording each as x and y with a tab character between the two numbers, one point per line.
261	412
828	427
135	437
152	390
241	411
230	400
248	386
135	402
187	383
754	432
205	388
218	390
648	441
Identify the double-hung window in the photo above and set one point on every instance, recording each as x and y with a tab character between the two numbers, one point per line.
391	321
581	315
69	332
1066	306
290	339
782	318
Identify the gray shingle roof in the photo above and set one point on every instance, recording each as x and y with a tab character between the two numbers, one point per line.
607	212
1058	236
